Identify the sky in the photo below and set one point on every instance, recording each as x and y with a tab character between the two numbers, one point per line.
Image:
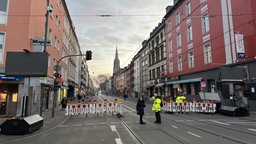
103	25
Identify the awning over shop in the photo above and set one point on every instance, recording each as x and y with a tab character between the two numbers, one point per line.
185	81
160	84
150	85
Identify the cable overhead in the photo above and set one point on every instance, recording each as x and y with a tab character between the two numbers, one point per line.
213	39
134	15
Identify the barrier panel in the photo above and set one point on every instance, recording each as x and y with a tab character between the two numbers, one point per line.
189	107
94	108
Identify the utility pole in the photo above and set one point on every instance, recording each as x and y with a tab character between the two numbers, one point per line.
48	9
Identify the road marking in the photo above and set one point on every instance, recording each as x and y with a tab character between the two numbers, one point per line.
252	129
118	141
194	134
180	120
218	122
174	126
113	127
202	120
77	125
63	126
241	122
190	120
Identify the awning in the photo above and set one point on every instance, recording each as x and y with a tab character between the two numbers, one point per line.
149	86
185	81
160	84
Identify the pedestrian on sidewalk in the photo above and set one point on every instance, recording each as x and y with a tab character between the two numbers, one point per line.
157	107
64	103
140	108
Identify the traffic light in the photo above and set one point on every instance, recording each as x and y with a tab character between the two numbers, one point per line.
202	80
88	55
57	75
219	85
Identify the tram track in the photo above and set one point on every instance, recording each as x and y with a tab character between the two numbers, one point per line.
137	139
218	135
180	140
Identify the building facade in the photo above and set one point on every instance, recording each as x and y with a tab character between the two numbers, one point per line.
157	60
206	42
21	30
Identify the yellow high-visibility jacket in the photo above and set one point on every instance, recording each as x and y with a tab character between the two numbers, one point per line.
156	105
180	99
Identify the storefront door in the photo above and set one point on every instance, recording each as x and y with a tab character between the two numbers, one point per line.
3	103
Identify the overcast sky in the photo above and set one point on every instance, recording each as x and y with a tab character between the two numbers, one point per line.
128	24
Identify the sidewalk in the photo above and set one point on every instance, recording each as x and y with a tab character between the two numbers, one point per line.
49	121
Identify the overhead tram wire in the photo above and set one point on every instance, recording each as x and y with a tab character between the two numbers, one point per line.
135	15
201	44
132	55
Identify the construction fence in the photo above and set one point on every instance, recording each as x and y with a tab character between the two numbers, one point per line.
106	107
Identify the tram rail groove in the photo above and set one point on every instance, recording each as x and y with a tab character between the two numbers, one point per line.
213	133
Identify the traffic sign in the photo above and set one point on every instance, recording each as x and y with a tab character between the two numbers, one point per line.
57	67
203	84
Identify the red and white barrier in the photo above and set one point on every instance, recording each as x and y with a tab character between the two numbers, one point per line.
189	107
94	108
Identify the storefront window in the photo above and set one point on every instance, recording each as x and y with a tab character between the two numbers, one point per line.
3	97
14	97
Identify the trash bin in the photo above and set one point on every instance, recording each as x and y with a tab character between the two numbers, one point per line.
21	126
234	111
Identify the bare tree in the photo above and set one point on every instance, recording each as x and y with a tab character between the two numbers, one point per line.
101	80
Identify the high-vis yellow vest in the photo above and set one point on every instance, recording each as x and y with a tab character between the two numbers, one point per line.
156	105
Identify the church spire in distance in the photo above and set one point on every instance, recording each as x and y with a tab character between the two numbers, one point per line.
116	63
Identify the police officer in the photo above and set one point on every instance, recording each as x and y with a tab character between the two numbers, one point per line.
157	108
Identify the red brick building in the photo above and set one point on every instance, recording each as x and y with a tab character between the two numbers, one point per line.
202	37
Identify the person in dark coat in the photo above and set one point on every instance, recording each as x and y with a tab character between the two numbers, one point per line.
64	103
140	108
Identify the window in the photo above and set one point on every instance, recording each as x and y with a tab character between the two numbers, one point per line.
50	35
179	63
191	62
158	72
49	60
177	18
157	55
161	36
58	25
170	45
171	66
202	1
188	9
52	12
189	33
58	45
207	54
205	23
169	25
178	40
3	11
57	21
2	37
55	42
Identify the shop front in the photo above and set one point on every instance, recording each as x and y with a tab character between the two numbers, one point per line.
9	87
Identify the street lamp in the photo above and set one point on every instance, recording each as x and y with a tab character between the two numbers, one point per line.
57	68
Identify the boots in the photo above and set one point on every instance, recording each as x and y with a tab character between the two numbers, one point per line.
142	122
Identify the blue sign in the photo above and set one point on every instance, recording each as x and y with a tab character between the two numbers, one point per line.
3	77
